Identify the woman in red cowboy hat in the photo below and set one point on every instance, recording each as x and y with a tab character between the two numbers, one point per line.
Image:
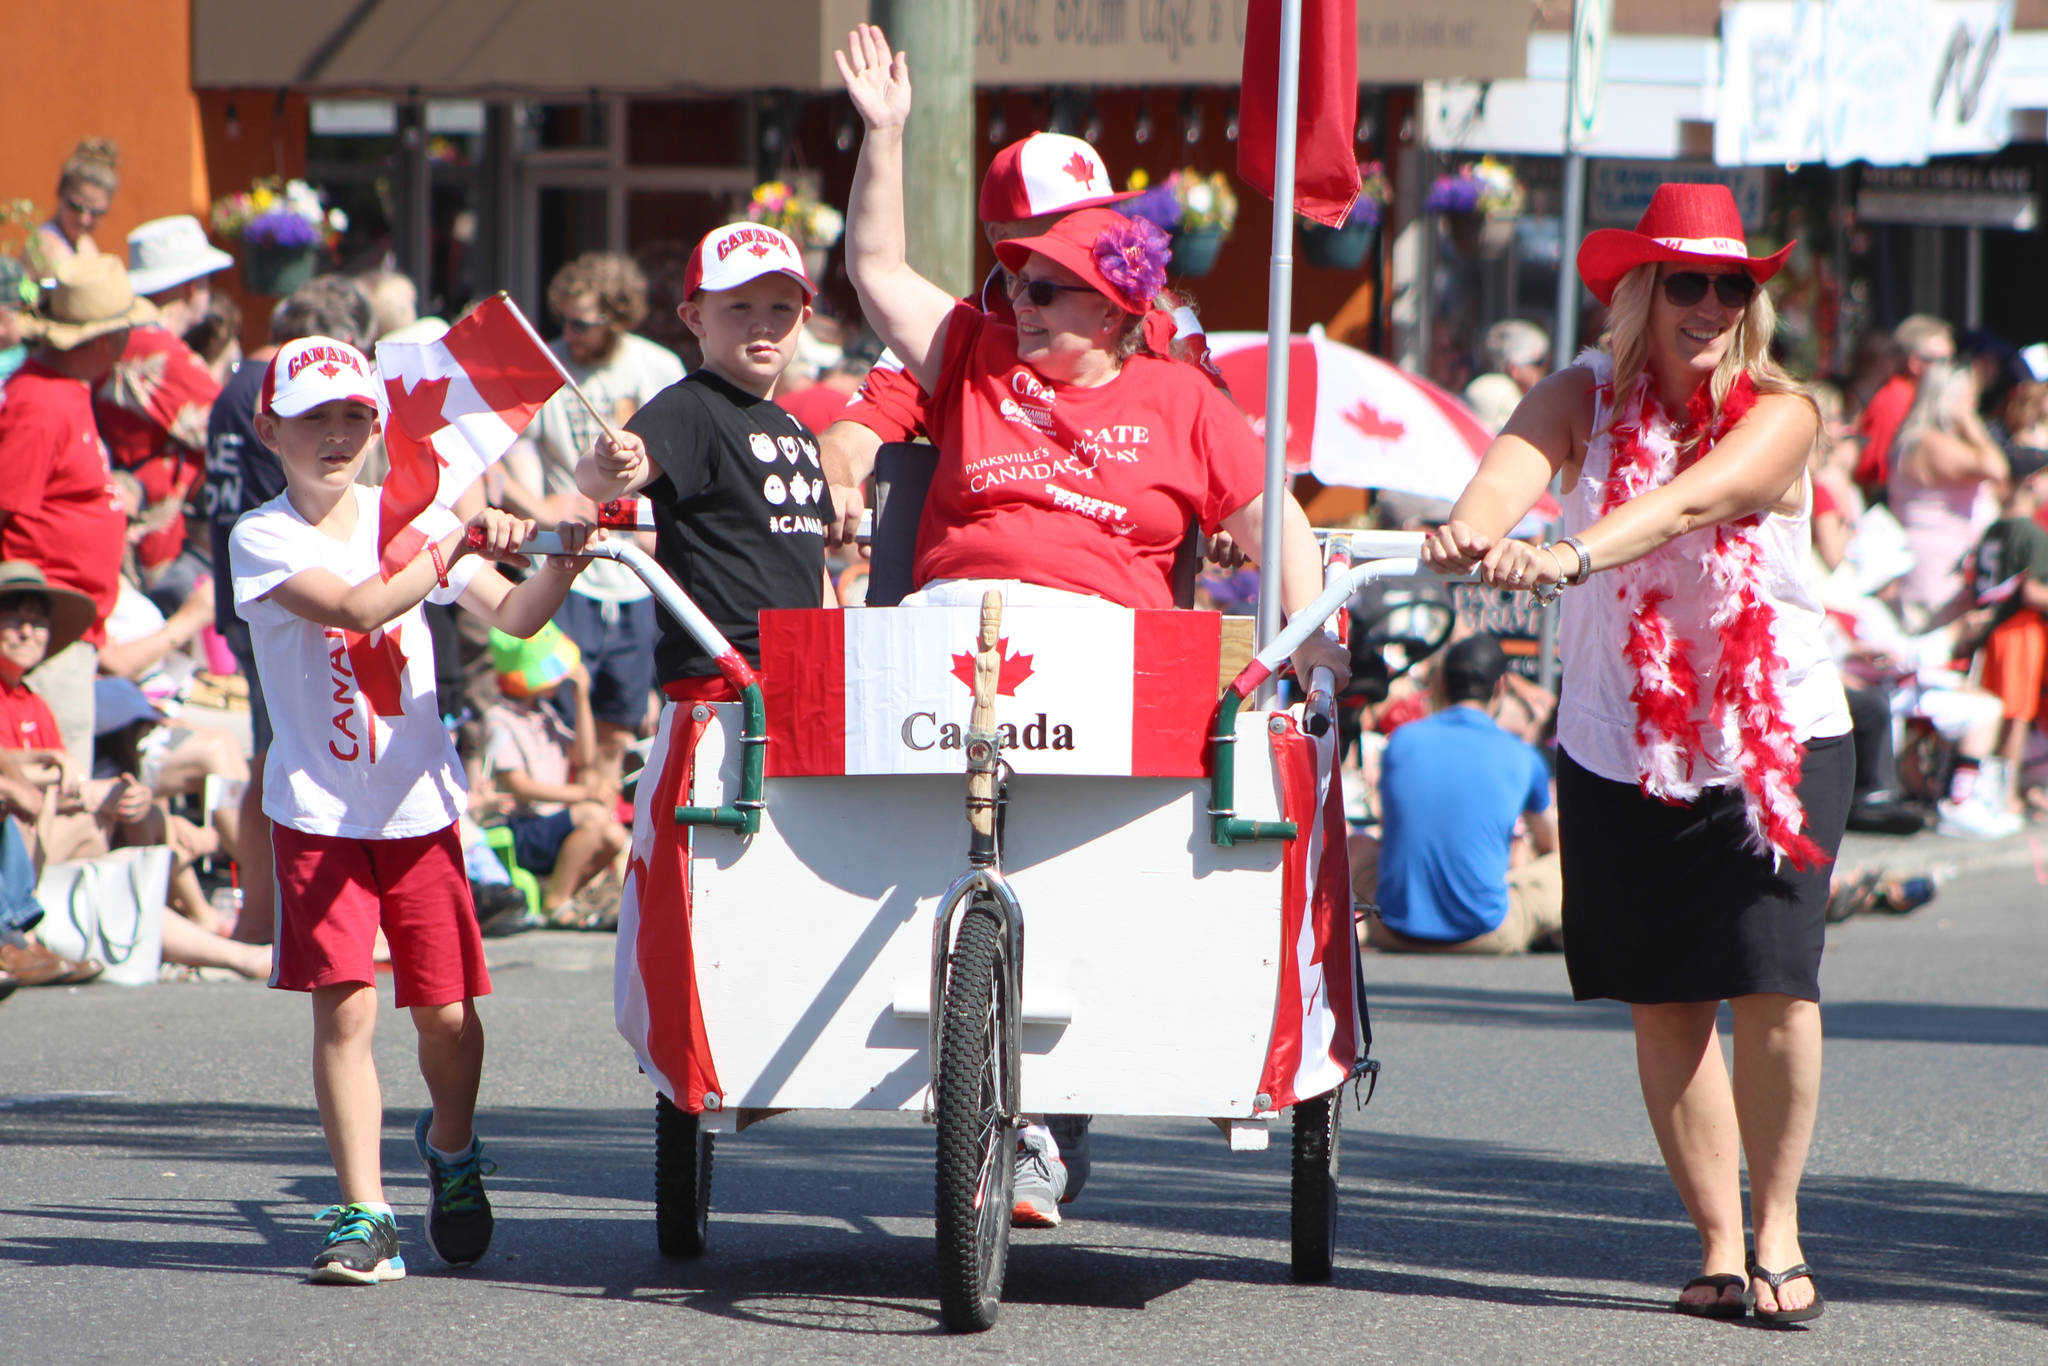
1704	767
1074	452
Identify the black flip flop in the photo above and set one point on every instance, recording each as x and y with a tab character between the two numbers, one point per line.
1716	1308
1780	1318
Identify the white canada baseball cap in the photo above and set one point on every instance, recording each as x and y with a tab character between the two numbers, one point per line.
314	370
730	256
1045	173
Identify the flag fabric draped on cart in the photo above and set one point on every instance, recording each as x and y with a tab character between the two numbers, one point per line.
451	409
1326	169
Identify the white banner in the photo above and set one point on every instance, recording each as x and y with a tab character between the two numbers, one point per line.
1887	82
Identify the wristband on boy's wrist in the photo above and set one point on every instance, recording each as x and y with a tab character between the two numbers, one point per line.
440	565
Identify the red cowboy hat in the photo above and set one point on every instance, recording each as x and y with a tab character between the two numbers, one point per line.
1685	222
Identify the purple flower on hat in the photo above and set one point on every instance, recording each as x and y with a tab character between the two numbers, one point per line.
1133	259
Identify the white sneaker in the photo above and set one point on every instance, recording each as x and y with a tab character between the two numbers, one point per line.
1970	820
1041	1181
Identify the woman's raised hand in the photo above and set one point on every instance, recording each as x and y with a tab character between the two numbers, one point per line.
878	80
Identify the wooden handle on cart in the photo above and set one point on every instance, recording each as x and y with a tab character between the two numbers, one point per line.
988	664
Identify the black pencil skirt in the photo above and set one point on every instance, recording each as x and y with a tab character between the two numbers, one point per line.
1667	903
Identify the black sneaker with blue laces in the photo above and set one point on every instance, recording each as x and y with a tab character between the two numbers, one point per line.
361	1247
458	1211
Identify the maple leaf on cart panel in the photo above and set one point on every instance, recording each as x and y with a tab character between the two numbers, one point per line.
1015	669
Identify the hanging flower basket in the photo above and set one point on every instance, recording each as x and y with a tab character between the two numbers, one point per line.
815	259
277	270
1345	248
1195	250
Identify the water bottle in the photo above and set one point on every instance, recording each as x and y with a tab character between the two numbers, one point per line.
227	909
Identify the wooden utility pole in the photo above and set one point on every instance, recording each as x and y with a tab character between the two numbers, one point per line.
938	146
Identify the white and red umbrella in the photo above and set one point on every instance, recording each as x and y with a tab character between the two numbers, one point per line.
1355	421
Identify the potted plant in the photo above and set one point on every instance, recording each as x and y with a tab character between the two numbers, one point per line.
284	227
1346	247
812	223
1199	211
1479	203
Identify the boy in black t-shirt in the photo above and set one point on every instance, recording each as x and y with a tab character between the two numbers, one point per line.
740	507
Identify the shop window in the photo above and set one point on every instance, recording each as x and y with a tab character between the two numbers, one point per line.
686	133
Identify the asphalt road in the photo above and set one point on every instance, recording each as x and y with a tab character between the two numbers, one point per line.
160	1167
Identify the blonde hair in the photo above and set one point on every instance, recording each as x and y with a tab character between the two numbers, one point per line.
95	161
609	279
1749	351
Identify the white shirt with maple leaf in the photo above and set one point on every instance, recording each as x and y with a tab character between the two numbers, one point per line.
358	748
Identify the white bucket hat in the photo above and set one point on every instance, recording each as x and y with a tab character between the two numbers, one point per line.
166	252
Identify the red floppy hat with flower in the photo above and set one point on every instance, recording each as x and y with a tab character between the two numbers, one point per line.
1123	258
1697	224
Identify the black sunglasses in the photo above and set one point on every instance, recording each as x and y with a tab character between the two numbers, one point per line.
84	210
585	324
1688	287
1043	292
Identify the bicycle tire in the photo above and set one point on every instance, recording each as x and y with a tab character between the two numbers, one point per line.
682	1180
976	1164
1313	1195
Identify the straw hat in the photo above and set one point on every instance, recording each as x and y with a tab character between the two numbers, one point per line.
71	614
1685	222
92	297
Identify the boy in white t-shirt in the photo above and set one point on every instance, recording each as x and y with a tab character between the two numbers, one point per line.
364	790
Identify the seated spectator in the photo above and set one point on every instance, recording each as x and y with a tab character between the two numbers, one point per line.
217	337
85	193
74	815
562	828
2010	572
153	406
1452	788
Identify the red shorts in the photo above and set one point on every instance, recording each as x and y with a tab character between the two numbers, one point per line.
2014	658
334	893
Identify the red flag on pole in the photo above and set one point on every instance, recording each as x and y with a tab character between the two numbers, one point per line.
452	408
1326	170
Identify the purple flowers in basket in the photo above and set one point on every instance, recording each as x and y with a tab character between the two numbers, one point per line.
1133	259
1453	194
1157	205
281	228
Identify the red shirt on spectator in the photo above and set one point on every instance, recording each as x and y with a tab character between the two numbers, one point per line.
1879	426
25	720
152	409
819	406
1089	489
55	488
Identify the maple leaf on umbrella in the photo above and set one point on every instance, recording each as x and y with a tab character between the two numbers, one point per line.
1080	169
379	666
1015	668
1368	421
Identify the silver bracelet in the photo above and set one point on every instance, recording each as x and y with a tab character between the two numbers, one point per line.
1585	561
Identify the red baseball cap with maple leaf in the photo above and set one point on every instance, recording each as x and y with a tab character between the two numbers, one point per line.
1045	173
314	370
730	256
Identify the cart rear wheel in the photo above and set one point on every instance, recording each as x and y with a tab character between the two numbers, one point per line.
1314	1206
976	1163
682	1179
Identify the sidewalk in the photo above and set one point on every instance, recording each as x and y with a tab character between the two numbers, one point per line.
1947	860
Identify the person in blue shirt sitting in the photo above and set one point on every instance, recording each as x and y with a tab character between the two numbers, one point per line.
1452	788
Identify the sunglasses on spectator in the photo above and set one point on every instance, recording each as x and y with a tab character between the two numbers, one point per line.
84	210
21	621
586	324
1688	287
1043	292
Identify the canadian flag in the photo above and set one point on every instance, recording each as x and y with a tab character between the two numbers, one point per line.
1325	169
1082	690
451	409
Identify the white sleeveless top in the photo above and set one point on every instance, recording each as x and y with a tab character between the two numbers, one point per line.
1596	719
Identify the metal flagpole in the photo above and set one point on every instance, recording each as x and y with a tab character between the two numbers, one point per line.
1279	319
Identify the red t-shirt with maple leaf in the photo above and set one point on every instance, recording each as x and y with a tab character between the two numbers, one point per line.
153	408
358	748
1085	489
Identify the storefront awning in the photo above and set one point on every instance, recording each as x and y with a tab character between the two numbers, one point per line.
519	47
538	47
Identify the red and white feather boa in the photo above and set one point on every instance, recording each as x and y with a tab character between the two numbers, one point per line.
1712	692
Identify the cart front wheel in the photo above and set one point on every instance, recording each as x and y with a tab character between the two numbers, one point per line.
976	1161
682	1179
1314	1206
